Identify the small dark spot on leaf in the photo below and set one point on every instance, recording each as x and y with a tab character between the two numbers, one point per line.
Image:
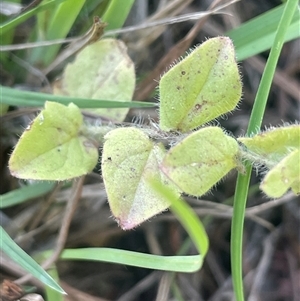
197	107
183	72
178	88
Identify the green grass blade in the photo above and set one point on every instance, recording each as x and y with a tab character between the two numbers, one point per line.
237	226
117	13
23	17
257	35
184	264
24	194
15	97
95	7
51	294
13	251
6	39
187	264
254	125
59	25
187	218
268	74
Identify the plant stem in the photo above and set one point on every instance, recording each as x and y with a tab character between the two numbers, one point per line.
256	117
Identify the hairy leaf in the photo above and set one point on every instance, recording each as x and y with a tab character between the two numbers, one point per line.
274	144
52	148
278	149
203	86
283	176
102	70
199	161
129	160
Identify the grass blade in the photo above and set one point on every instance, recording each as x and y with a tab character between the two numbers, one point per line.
53	295
256	117
11	249
34	99
187	264
24	194
184	264
187	217
257	35
23	17
117	13
61	20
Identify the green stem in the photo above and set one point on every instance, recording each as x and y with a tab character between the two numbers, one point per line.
256	117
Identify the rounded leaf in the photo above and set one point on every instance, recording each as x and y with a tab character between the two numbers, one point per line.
274	144
102	70
129	160
203	86
283	176
199	161
51	148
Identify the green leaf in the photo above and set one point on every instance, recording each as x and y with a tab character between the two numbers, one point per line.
129	158
117	13
53	295
102	70
203	86
185	264
199	161
13	251
274	144
277	148
283	176
54	24
243	180
16	97
24	193
258	34
52	148
12	23
187	217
